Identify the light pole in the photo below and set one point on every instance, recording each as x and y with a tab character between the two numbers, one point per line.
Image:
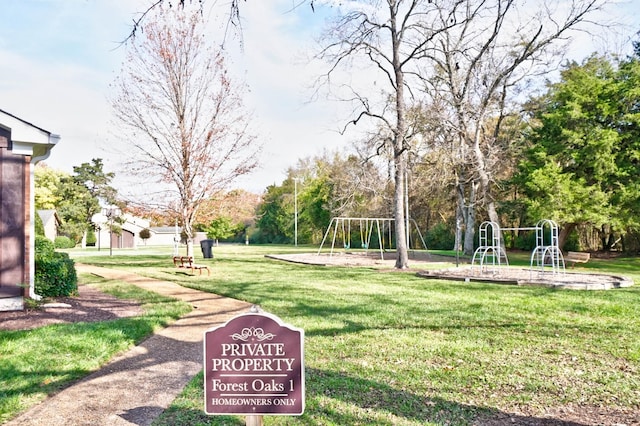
176	240
99	219
406	205
295	208
110	212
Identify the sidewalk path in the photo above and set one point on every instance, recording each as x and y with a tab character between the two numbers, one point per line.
136	387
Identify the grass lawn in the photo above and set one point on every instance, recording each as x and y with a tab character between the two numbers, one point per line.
390	348
38	362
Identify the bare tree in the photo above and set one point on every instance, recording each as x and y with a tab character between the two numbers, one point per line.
234	21
182	115
387	39
468	56
479	65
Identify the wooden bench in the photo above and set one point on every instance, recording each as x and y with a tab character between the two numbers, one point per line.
187	262
574	257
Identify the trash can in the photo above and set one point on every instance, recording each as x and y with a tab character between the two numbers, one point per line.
206	246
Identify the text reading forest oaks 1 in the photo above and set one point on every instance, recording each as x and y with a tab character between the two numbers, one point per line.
254	364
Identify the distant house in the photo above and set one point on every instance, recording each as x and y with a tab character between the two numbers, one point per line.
165	236
128	233
119	235
22	146
51	223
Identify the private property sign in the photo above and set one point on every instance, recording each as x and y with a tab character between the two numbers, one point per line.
254	365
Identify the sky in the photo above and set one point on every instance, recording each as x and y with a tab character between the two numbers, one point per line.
59	58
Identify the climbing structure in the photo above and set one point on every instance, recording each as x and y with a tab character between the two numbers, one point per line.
490	253
546	255
547	252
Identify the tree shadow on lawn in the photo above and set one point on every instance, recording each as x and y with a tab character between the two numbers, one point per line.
375	397
37	381
398	319
366	402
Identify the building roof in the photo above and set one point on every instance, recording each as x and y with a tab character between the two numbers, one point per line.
165	229
47	215
24	121
27	138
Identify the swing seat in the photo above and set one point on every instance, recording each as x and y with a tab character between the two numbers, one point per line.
346	246
365	245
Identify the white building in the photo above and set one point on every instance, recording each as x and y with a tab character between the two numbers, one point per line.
129	236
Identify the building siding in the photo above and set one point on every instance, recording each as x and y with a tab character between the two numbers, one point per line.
12	219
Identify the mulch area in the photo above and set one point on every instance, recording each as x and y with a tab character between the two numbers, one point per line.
90	305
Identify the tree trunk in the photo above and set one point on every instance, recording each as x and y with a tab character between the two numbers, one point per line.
564	234
457	245
399	148
402	258
484	183
492	212
470	221
188	232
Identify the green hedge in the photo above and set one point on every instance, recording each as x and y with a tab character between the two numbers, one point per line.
441	237
39	226
63	242
55	272
91	238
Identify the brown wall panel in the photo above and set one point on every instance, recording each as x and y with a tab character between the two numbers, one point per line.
12	219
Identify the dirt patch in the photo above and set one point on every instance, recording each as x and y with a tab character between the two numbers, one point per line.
433	266
373	259
91	305
569	415
526	276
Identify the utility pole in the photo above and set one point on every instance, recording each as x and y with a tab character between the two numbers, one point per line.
295	204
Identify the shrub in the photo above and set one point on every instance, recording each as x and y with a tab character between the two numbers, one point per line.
631	242
526	241
221	228
441	237
44	247
38	225
63	242
145	234
573	242
91	238
55	273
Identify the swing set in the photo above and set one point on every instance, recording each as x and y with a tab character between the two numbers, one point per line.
366	227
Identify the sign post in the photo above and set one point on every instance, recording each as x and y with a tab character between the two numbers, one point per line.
254	366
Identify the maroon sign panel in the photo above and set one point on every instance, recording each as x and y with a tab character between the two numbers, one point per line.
254	365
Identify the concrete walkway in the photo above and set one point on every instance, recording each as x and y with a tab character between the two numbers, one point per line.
136	387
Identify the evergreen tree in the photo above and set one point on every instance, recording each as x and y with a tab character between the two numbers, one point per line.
583	165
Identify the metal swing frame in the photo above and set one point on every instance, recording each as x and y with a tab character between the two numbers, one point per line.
366	232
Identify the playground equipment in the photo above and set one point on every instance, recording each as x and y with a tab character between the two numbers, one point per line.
546	254
367	227
491	250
